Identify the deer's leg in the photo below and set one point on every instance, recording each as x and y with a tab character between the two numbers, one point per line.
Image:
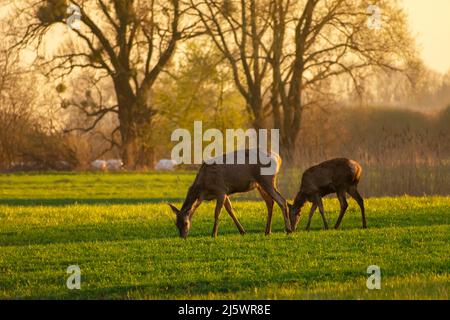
311	213
344	206
278	198
219	205
229	209
353	192
269	203
322	211
195	206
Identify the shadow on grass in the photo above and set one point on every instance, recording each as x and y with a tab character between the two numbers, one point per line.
199	287
314	284
112	232
71	201
130	231
29	202
162	290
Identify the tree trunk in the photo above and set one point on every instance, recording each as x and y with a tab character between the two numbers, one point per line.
255	107
291	124
288	148
136	154
129	147
132	118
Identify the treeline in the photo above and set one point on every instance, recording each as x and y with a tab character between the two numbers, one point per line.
402	151
376	135
280	57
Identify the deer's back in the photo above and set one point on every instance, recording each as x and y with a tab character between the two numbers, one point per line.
331	176
232	178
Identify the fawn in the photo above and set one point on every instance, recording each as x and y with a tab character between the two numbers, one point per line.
338	176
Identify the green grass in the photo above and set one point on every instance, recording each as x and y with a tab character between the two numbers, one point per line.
116	228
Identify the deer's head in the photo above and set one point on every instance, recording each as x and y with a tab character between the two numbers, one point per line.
294	216
295	209
183	221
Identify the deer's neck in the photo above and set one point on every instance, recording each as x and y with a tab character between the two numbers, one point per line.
299	201
191	198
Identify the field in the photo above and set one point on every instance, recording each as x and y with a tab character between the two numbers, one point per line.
119	231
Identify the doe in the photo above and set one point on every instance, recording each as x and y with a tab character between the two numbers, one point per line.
217	181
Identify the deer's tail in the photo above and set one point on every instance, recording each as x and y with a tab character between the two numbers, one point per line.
358	172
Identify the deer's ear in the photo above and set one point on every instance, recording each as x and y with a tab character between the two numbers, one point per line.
174	209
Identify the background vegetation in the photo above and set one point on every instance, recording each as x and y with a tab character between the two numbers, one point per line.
117	87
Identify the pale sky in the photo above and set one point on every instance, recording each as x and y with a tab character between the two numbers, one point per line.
430	21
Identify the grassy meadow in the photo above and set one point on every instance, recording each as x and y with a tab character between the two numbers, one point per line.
119	231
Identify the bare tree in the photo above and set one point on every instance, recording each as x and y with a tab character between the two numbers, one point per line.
127	42
28	139
16	108
238	29
289	53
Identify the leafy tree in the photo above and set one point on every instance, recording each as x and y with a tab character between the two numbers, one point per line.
198	88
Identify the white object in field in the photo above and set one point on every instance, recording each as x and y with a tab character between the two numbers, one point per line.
114	164
99	165
165	164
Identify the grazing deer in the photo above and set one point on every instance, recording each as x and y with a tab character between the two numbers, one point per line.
216	181
338	176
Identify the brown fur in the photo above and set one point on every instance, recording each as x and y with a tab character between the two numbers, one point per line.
219	181
338	176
